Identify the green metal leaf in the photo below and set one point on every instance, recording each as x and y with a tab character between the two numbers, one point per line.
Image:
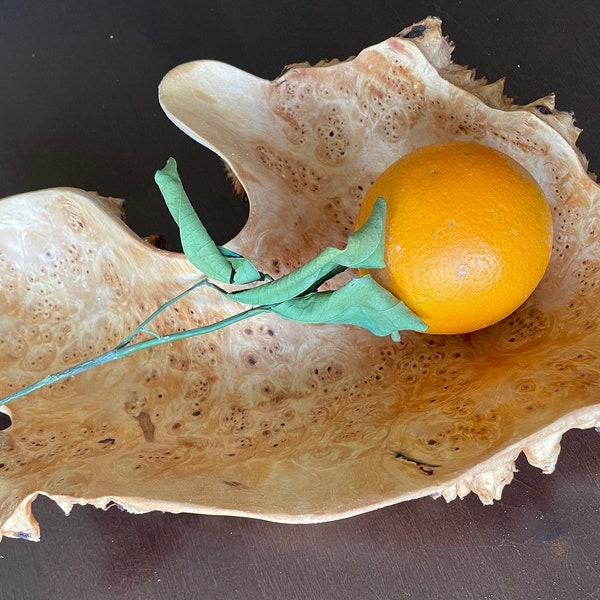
216	263
361	302
364	249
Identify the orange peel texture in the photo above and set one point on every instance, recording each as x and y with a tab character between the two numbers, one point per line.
468	234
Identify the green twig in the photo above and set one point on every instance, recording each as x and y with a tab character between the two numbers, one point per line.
125	347
295	296
142	326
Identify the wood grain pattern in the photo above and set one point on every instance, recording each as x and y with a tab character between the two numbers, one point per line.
538	542
276	419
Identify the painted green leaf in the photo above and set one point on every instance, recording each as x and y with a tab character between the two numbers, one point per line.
364	249
201	251
361	302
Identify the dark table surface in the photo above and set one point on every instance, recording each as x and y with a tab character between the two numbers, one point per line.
78	107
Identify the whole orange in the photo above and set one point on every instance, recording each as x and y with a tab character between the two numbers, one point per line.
468	234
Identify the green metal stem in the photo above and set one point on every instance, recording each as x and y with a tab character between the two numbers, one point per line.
125	347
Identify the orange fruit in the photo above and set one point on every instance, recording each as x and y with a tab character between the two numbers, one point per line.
468	234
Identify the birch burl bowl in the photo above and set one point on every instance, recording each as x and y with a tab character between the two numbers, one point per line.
271	418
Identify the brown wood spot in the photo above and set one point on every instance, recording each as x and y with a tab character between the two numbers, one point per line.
146	426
